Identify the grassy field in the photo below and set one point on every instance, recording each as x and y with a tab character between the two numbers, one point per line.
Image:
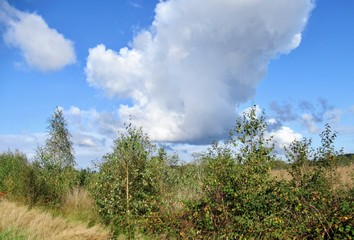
20	222
76	219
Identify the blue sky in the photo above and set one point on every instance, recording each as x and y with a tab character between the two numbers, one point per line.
181	69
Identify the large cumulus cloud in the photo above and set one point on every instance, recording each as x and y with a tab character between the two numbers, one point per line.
185	75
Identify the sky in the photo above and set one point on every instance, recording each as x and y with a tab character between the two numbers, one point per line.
184	70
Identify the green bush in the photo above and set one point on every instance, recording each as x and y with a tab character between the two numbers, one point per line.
127	187
319	210
14	175
50	184
240	193
53	168
226	193
243	201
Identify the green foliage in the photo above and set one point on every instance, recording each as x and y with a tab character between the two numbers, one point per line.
243	201
11	235
249	135
226	193
181	183
84	177
239	190
58	147
299	154
279	164
313	168
14	175
318	210
345	159
54	174
126	187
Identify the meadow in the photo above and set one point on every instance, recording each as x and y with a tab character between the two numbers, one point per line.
78	219
238	189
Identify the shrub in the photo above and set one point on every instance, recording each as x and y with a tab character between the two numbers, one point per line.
14	175
54	174
240	193
319	210
243	201
125	190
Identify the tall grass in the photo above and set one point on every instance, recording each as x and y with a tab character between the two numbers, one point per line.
79	206
345	176
34	224
11	235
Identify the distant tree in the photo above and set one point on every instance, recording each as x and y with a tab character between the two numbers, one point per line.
55	162
58	146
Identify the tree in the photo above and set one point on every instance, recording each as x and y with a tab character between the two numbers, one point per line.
239	191
58	146
299	155
125	188
55	162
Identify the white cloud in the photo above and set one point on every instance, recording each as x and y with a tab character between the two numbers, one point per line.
92	140
134	4
42	47
272	121
26	142
103	123
284	136
198	61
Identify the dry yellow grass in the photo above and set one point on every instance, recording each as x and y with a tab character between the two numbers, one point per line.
35	224
78	205
281	174
345	175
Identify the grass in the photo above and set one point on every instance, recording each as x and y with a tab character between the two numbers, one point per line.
345	176
281	174
78	206
73	218
18	221
11	235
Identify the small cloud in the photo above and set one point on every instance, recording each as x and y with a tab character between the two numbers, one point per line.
134	4
86	140
274	124
351	109
42	47
284	112
284	136
309	122
317	111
